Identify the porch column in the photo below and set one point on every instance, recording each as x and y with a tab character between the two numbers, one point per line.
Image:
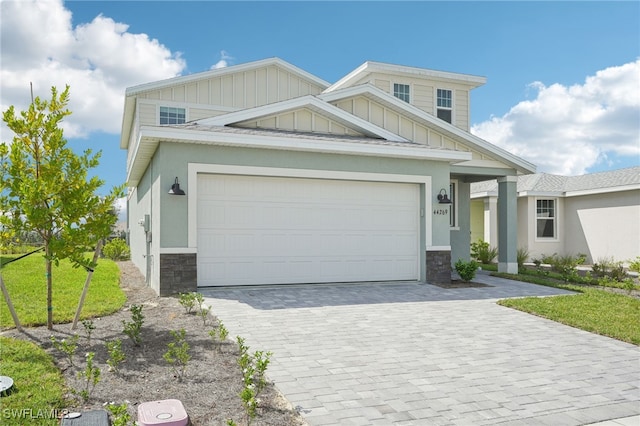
507	225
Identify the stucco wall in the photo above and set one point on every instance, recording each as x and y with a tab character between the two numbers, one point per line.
603	225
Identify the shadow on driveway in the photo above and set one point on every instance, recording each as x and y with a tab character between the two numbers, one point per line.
288	296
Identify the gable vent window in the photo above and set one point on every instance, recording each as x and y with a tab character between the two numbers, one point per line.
401	91
444	105
170	115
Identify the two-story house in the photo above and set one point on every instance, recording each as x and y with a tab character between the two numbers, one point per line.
262	173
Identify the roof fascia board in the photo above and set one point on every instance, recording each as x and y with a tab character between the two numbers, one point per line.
182	79
606	190
350	120
300	144
482	145
371	67
554	194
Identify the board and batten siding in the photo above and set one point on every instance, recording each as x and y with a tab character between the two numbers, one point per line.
423	94
244	89
302	120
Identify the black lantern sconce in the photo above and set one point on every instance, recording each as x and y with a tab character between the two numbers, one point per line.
443	198
175	188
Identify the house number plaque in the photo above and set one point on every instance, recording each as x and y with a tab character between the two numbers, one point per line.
439	212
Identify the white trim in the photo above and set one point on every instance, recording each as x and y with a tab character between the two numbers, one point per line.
438	248
178	250
415	113
556	220
507	178
414	72
607	190
300	144
195	168
311	102
183	79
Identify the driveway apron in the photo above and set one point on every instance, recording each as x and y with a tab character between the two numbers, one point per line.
417	354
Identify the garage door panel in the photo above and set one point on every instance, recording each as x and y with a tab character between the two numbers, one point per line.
266	230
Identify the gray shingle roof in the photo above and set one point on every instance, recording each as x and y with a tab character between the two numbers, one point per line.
544	182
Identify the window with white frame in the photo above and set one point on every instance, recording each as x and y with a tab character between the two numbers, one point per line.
169	115
401	91
444	104
546	218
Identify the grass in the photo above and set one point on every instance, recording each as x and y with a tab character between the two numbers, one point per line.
38	385
591	309
26	283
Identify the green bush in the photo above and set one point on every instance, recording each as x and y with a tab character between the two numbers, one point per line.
608	268
116	249
482	252
634	265
522	255
466	270
567	266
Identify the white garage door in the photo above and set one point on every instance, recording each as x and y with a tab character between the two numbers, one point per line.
270	230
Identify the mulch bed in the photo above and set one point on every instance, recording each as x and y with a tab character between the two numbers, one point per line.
213	381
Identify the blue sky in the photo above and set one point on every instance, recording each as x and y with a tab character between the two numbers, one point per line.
562	85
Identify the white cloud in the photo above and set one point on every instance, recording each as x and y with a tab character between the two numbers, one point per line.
566	130
98	60
120	205
224	60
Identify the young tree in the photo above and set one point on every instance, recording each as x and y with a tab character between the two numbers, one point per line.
44	187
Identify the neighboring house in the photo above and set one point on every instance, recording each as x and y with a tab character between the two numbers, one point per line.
595	214
290	179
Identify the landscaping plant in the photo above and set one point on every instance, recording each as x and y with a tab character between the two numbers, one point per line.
116	354
188	301
91	375
466	270
177	354
482	252
253	375
46	188
68	347
219	334
120	414
116	249
88	328
133	328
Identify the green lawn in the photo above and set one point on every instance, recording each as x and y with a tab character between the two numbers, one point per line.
26	282
39	387
594	310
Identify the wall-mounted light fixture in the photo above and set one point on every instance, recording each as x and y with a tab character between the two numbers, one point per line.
175	188
443	198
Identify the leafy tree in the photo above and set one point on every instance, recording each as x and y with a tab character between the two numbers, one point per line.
45	187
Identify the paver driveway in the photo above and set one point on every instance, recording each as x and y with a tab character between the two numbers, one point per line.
417	354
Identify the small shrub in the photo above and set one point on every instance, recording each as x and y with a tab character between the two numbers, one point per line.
253	375
567	266
91	375
466	270
177	354
188	301
88	328
634	265
607	267
116	249
133	328
68	347
521	256
120	414
219	335
482	252
116	355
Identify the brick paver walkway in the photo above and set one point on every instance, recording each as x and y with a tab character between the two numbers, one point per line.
417	354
